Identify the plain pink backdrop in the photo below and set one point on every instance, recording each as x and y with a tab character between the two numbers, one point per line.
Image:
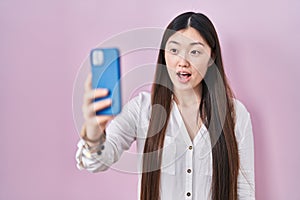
43	43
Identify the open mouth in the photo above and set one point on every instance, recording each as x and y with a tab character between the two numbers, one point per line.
183	74
183	77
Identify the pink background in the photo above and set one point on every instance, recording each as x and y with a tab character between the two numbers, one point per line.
43	43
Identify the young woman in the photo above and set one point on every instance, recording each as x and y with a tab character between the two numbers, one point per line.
195	137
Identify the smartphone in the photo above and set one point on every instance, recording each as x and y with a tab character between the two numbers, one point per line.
105	67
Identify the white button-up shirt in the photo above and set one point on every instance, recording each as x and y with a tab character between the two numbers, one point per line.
186	171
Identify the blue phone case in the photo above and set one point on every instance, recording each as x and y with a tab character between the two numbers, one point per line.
105	64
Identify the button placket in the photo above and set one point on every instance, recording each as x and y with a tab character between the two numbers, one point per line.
189	167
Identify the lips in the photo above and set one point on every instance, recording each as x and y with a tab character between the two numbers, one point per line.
183	76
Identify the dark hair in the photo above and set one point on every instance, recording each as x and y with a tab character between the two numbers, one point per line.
216	111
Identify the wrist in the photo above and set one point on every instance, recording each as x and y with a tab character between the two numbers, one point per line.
93	146
92	142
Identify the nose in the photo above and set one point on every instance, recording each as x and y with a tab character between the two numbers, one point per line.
182	61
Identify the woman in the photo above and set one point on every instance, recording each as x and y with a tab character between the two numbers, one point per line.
197	142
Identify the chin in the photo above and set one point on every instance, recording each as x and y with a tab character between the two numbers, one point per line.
183	87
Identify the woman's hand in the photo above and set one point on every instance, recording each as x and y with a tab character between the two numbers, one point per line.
95	124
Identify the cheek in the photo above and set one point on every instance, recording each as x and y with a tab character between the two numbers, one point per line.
170	65
200	68
170	60
202	60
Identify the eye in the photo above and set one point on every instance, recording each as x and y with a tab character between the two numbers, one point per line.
195	52
173	51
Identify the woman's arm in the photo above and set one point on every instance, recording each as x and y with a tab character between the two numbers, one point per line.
97	150
246	178
120	134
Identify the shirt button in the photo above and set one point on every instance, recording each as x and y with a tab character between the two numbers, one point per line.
189	171
188	194
190	147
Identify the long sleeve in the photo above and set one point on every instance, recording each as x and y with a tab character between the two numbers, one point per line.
246	178
120	134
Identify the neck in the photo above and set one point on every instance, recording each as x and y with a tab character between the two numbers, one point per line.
186	98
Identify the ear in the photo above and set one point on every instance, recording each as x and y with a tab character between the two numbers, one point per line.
211	60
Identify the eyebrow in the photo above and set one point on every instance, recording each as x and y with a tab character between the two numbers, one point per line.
193	43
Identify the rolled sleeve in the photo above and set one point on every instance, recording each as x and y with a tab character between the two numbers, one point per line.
120	134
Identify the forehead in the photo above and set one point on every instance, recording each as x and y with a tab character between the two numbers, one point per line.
187	36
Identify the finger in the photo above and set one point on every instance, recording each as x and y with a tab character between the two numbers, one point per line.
93	94
89	110
103	119
97	106
99	120
88	82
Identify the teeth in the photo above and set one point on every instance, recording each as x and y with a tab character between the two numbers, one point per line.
183	74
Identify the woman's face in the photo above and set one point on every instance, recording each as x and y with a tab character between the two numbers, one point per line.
187	58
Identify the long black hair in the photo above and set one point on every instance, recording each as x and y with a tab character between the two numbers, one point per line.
216	111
